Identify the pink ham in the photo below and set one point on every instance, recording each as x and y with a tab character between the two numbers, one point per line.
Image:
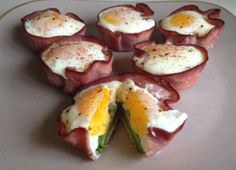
158	138
37	43
78	137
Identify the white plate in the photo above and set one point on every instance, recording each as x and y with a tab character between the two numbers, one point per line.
29	105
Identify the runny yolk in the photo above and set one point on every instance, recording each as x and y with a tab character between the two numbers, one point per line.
138	116
111	18
96	101
182	20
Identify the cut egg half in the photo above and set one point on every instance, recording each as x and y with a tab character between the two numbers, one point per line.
91	111
142	111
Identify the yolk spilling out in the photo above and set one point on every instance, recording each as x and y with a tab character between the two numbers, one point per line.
97	99
138	116
182	20
111	18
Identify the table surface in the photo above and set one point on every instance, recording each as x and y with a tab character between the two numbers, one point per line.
29	106
6	5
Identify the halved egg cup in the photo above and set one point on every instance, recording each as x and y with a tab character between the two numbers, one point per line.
79	137
180	81
37	43
156	138
121	41
74	79
212	16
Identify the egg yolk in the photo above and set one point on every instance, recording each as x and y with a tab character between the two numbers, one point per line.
111	18
182	20
98	99
138	116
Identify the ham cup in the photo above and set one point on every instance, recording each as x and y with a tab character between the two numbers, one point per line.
42	28
144	104
190	25
123	26
181	65
75	61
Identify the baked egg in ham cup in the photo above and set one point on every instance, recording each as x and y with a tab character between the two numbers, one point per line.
75	61
42	28
123	26
88	123
143	103
190	25
181	65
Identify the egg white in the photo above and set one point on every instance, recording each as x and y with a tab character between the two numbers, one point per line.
199	27
130	21
169	59
78	55
69	26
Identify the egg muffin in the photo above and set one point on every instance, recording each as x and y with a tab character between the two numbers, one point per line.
124	25
190	25
42	28
181	65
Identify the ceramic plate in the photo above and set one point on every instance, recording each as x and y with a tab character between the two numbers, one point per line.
29	106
